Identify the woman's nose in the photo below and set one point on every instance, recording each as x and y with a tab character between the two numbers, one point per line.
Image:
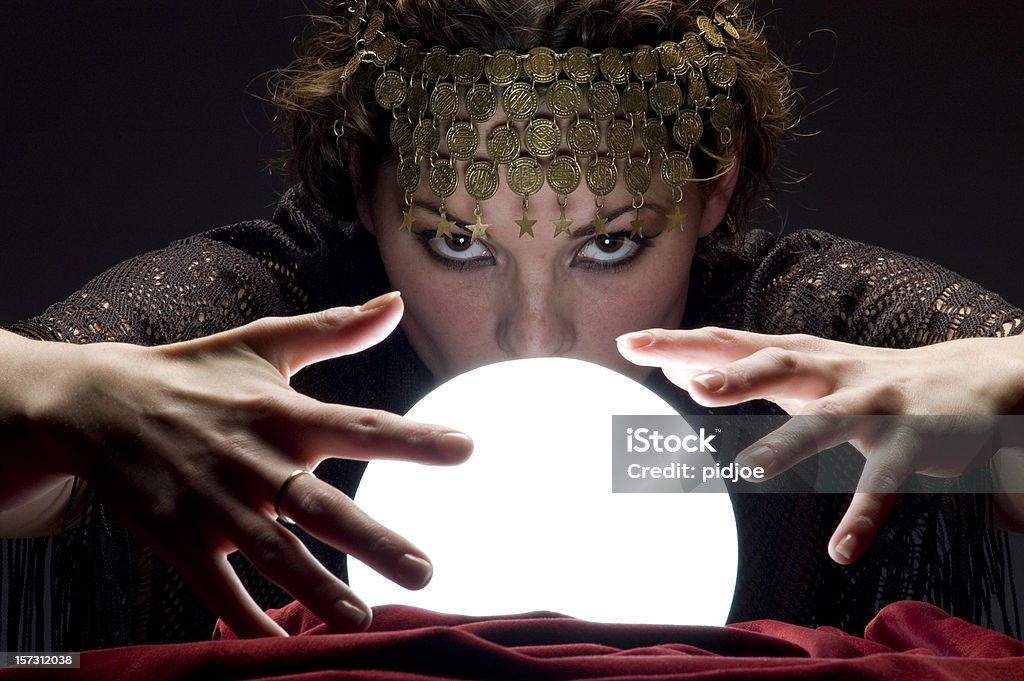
536	321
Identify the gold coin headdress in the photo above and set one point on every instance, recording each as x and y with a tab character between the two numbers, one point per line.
569	118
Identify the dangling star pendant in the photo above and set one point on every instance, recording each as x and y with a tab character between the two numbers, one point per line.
407	220
479	228
526	225
444	227
601	225
675	220
638	228
562	224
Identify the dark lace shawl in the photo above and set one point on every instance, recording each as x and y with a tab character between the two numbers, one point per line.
95	586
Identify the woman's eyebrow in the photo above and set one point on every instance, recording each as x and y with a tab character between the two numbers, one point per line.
588	229
435	208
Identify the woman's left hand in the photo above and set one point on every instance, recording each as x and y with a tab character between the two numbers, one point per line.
839	382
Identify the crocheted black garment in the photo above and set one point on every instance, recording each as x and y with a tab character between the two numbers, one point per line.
108	589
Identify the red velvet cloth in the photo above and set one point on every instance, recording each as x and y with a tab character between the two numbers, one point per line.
907	640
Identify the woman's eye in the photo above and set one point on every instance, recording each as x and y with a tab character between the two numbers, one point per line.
608	249
457	247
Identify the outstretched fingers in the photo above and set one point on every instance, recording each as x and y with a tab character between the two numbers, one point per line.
217	585
720	367
885	472
332	517
291	343
310	430
283	559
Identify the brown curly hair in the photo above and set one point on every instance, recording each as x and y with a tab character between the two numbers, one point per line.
312	97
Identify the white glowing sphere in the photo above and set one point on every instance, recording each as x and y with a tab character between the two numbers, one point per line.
530	521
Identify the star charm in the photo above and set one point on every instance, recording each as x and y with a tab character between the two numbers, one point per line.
638	228
675	220
526	225
407	220
562	224
479	229
444	227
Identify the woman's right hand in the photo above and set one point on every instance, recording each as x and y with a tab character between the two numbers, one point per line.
188	444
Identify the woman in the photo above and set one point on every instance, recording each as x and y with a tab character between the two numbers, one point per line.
192	446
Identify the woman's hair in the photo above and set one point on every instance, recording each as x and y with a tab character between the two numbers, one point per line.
318	104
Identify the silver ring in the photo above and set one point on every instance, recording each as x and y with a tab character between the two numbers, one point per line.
298	472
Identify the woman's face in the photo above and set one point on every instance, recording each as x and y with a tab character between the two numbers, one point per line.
509	297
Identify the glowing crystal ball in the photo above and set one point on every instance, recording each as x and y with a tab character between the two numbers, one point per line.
530	521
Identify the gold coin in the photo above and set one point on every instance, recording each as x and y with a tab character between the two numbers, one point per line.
390	89
462	139
654	135
520	101
723	113
584	137
437	63
710	31
401	133
676	169
603	100
644	62
673	60
416	98
727	25
698	88
638	176
620	139
614	65
502	67
426	137
542	64
564	175
565	98
351	66
481	102
666	97
634	100
358	11
444	101
354	26
525	176
411	56
373	26
688	128
468	66
482	180
722	70
543	137
503	144
579	64
385	49
601	175
408	174
443	178
695	49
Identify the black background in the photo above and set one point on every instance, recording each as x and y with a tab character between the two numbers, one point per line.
128	124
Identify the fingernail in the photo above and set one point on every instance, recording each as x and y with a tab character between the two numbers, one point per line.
414	572
351	612
712	381
456	445
379	302
761	456
636	340
846	546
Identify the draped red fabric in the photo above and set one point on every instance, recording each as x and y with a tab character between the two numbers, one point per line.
907	640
